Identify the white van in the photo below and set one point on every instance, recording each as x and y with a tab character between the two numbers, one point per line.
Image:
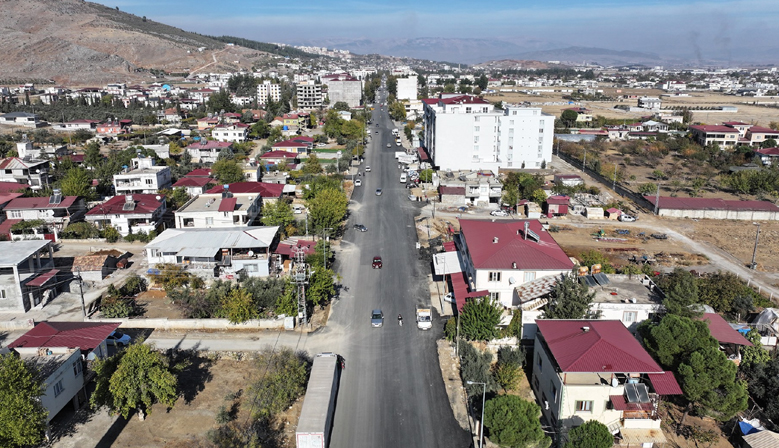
402	178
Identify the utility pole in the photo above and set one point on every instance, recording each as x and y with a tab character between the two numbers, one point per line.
301	280
657	199
614	183
584	160
325	239
81	291
754	252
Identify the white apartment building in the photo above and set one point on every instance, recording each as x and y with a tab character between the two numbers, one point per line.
343	88
144	178
236	132
219	210
407	88
309	95
464	132
268	90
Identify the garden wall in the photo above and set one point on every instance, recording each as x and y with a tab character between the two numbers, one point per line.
197	324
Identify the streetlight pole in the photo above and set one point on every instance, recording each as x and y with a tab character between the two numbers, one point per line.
324	245
754	252
483	396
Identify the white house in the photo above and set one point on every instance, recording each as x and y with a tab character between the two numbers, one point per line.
56	211
217	252
35	173
144	178
219	210
501	255
132	213
207	151
236	132
20	263
596	370
466	132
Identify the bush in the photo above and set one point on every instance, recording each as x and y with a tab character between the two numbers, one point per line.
514	422
80	231
450	329
111	235
511	355
507	376
479	319
117	307
284	380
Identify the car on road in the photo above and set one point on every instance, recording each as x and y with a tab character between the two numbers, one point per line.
321	145
411	197
378	192
377	132
377	125
499	213
361	227
118	339
449	297
626	218
388	145
368	168
377	263
377	318
358	183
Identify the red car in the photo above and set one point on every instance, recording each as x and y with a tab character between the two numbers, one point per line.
377	263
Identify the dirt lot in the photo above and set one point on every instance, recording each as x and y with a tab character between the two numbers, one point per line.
738	239
155	304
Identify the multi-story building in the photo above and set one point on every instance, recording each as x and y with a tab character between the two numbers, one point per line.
55	211
407	88
219	210
268	91
309	95
207	151
724	136
343	88
596	370
21	262
132	213
465	132
145	177
236	132
34	173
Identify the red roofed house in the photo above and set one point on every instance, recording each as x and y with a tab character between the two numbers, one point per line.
56	211
724	136
715	208
499	256
34	173
757	135
207	123
266	190
742	127
206	151
596	370
194	185
56	350
278	157
224	209
236	132
132	213
556	206
298	147
767	155
730	339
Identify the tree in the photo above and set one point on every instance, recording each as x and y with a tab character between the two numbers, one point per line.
283	380
755	354
220	101
277	213
92	157
239	306
674	338
475	367
480	318
708	380
507	375
592	434
482	82
514	422
681	293
227	171
110	234
426	175
327	209
320	286
312	165
77	182
134	379
569	117
341	105
22	416
570	299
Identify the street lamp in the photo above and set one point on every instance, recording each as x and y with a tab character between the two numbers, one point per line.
324	245
483	395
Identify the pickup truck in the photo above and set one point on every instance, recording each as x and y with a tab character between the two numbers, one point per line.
424	318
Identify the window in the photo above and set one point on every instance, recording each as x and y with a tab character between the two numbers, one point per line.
76	368
583	406
58	388
629	316
16	213
2	294
494	276
535	382
530	276
209	221
149	181
251	267
495	296
476	119
539	362
554	393
476	128
511	122
476	139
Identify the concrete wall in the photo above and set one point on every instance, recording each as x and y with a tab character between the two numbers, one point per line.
197	324
741	215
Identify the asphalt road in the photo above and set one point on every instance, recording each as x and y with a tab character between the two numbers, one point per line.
391	393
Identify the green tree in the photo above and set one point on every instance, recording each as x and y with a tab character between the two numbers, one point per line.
507	375
319	184
110	234
277	213
708	380
341	105
721	289
320	286
312	165
397	111
475	367
286	303
755	354
592	434
92	156
681	293
220	101
482	82
239	306
227	171
260	129
570	299
282	381
480	318
22	416
569	117
134	379
648	188
674	338
426	175
327	209
514	422
77	182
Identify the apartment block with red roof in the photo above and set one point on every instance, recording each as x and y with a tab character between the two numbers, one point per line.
502	255
56	211
724	136
224	209
206	151
132	213
757	135
236	132
596	370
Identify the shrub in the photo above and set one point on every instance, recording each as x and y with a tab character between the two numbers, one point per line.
507	376
111	235
450	329
80	231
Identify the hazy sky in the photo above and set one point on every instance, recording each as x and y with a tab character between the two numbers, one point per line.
713	28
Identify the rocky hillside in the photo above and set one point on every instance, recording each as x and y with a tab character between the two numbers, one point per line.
80	43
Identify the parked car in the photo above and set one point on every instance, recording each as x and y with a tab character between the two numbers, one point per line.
321	145
377	263
358	183
626	218
377	318
378	192
361	227
449	297
118	339
368	168
411	197
499	213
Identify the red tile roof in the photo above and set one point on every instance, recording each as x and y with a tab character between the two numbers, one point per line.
460	289
457	191
735	123
711	204
762	130
290	144
721	330
464	99
144	203
10	187
84	335
200	172
714	128
606	347
209	144
423	154
39	203
430	100
227	204
278	154
193	182
768	151
558	200
286	247
665	383
511	246
5	226
264	189
303	138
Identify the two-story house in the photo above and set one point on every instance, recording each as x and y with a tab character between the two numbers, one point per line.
56	211
216	252
206	151
479	187
268	191
502	255
132	213
20	263
219	210
596	370
34	173
724	136
144	177
236	132
293	146
206	123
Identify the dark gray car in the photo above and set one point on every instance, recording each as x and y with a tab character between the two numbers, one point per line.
377	318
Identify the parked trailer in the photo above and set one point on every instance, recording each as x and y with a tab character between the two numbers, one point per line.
316	416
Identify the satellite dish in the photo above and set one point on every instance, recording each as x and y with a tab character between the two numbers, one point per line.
512	281
158	197
251	253
91	356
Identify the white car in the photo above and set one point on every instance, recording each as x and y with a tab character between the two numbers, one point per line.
499	213
626	218
449	297
411	197
358	183
118	339
368	168
321	145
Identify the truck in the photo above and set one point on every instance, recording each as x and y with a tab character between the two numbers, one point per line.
316	415
424	319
